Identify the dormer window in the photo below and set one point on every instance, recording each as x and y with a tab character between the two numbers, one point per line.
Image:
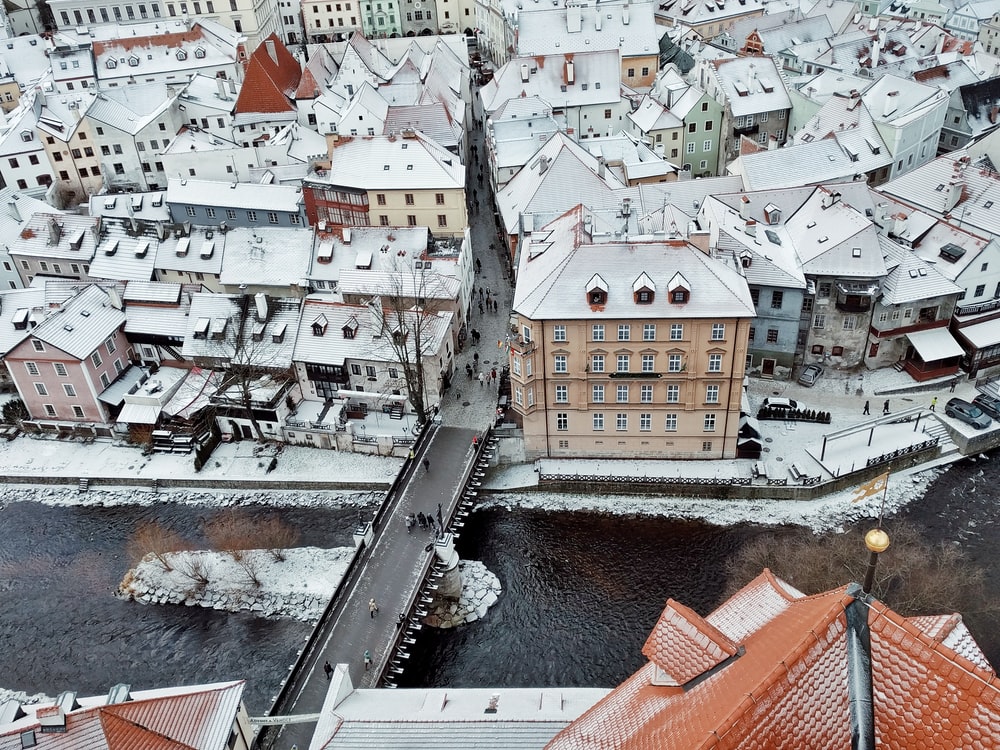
597	290
26	135
351	328
182	55
319	325
679	289
133	61
112	64
643	290
199	52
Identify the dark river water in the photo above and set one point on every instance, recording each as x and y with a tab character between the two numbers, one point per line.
581	593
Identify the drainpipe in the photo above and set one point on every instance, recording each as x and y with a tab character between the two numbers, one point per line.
725	427
545	392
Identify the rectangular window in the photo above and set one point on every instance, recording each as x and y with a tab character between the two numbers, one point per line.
439	199
189	210
69	389
518	396
718	331
561	364
850	322
676	331
411	220
515	365
39	346
110	346
711	394
824	289
370	371
598	421
690	147
621	421
40	389
706	146
96	359
272	217
715	363
772	335
706	446
670	422
623	361
597	333
50	410
597	363
562	421
649	331
673	394
528	365
710	423
31	367
409	199
624	332
819	321
622	394
648	361
646	394
442	220
645	422
559	333
597	394
562	394
673	363
251	216
60	369
777	298
78	412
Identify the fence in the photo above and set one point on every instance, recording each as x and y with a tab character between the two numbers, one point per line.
900	452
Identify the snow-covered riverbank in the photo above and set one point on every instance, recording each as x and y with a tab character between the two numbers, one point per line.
298	586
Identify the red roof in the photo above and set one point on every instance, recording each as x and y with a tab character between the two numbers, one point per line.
787	685
174	39
270	81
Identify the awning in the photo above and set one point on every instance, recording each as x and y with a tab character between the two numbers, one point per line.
114	394
982	334
139	414
935	344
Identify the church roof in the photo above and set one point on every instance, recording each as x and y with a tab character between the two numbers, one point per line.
271	80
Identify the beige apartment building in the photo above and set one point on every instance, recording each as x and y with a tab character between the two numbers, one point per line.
627	348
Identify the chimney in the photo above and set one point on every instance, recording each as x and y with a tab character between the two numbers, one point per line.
745	207
524	72
625	16
221	85
13	210
751	76
899	224
55	232
375	316
600	167
750	228
543	164
570	73
939	45
271	51
574	18
891	102
114	298
876	49
260	300
955	189
597	19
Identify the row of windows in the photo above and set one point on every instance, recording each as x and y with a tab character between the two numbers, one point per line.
850	322
597	332
272	216
409	198
675	363
50	411
411	220
709	421
43	266
371	372
623	392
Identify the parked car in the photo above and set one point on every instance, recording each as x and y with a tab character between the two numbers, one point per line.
989	404
810	374
971	414
781	404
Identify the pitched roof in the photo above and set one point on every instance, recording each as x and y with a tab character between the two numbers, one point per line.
82	324
789	682
270	82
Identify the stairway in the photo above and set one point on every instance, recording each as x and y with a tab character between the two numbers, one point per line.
934	428
396	412
84	485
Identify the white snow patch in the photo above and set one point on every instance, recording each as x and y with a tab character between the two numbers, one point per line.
480	591
298	586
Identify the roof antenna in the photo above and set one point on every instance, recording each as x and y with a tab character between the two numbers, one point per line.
876	540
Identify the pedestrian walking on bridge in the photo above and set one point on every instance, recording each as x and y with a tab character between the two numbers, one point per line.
427	465
368	659
372	608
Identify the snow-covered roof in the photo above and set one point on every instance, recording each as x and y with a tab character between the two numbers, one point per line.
244	195
150	206
67	236
184	252
910	277
627	27
131	108
752	85
558	261
15	306
384	162
213	323
816	162
265	256
121	257
834	239
82	324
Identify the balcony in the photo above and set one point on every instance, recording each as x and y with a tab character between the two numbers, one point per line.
522	347
855	296
747	131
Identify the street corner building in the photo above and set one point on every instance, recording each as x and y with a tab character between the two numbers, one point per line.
627	344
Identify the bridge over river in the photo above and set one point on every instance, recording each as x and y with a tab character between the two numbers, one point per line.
395	568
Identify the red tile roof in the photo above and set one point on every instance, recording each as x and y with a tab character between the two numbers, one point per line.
270	82
175	39
788	686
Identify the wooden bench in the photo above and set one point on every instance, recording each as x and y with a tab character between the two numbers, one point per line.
796	472
759	470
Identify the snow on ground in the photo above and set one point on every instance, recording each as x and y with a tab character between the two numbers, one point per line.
298	586
480	591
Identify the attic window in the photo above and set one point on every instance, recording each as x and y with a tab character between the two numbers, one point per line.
133	61
258	331
597	290
219	328
385	167
26	135
940	187
278	333
597	85
201	328
319	325
111	64
679	289
199	52
351	329
182	55
856	252
988	204
643	290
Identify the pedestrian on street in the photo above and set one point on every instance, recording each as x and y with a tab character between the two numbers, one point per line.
475	358
954	383
422	520
479	266
409	523
866	411
480	290
885	407
368	659
468	370
410	456
400	619
475	442
482	378
480	308
427	463
329	670
934	404
475	337
493	374
495	305
372	608
430	522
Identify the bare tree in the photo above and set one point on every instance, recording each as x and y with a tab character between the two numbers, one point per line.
154	539
410	312
913	577
276	536
231	532
197	568
251	564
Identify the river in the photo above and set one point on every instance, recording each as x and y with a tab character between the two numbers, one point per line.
581	592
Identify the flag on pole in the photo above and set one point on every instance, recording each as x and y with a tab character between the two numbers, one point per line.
875	487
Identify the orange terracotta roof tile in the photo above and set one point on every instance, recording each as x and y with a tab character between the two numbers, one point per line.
789	687
175	39
270	82
683	645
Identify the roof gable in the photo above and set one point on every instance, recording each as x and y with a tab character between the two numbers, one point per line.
271	81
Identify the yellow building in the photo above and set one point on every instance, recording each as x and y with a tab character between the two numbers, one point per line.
626	346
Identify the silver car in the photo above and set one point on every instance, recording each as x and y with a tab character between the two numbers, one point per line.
810	374
969	413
